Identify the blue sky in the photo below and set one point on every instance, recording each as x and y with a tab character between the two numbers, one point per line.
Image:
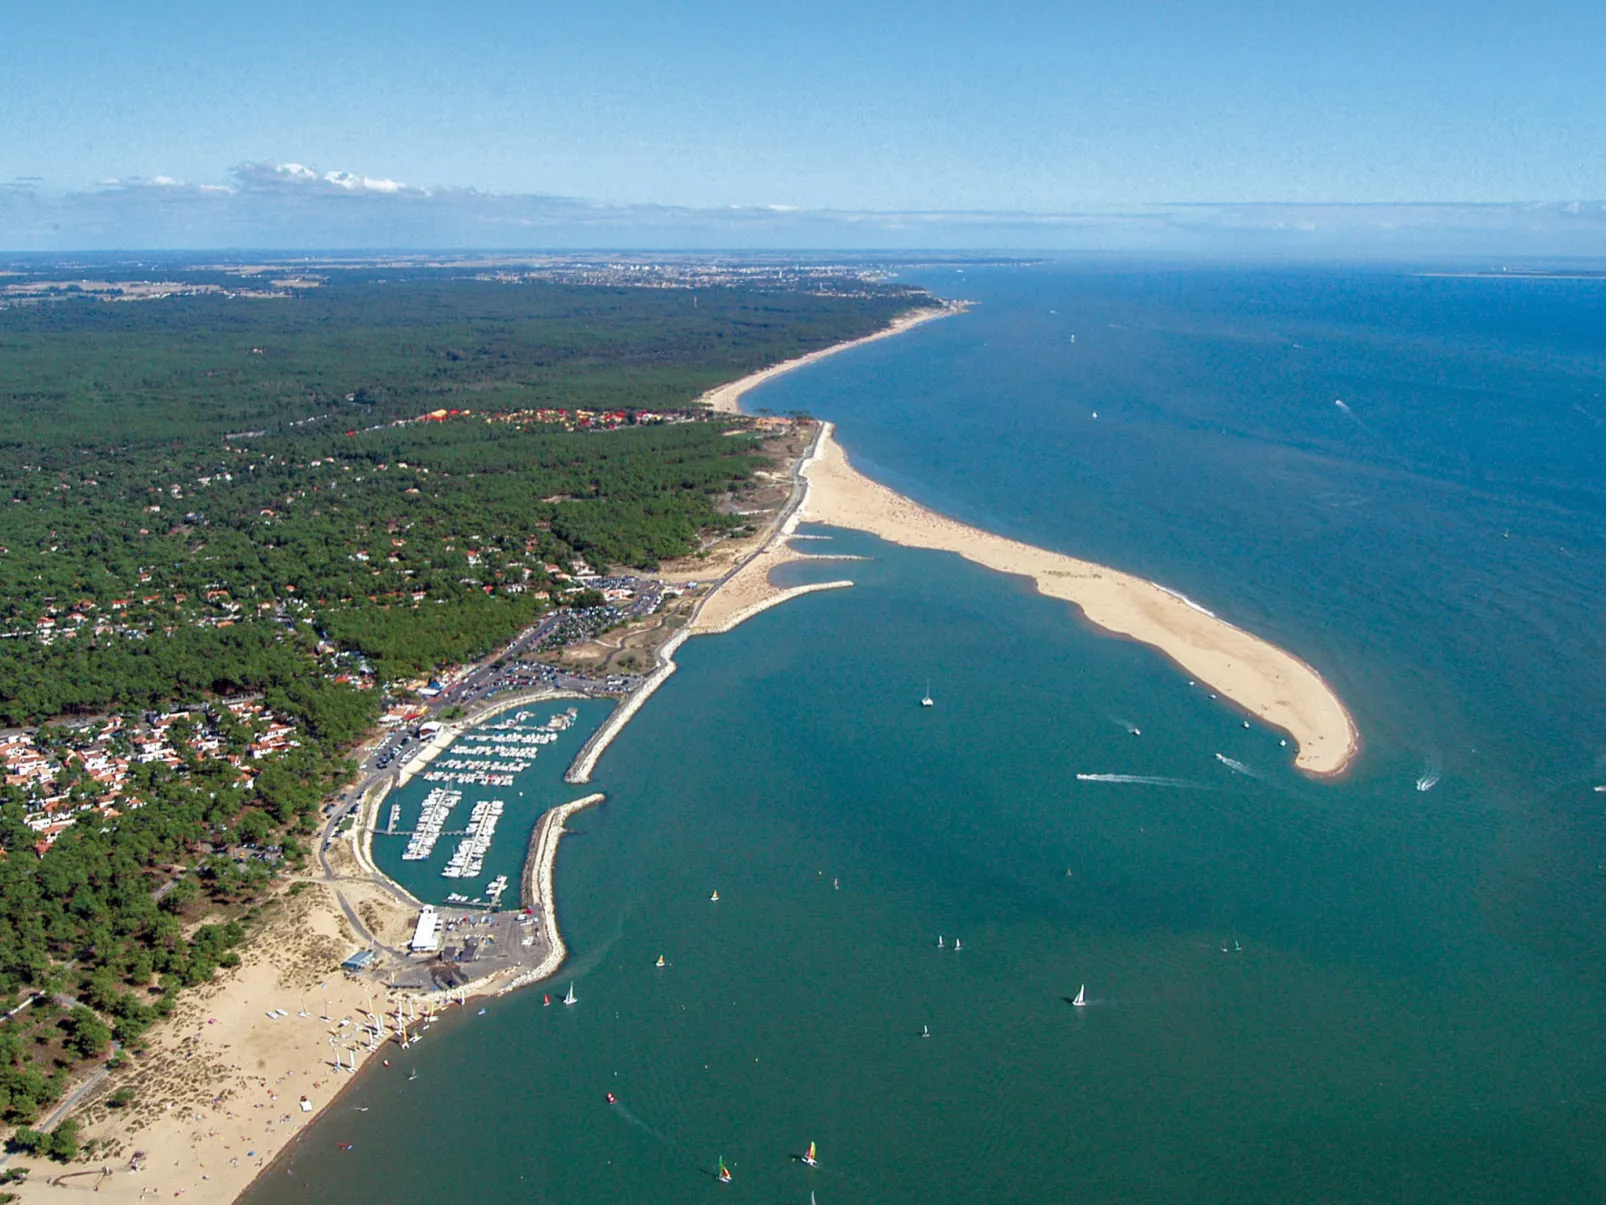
1038	107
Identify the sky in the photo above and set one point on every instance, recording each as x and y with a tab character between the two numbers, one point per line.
1057	108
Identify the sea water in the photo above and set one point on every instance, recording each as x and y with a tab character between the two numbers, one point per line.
1298	991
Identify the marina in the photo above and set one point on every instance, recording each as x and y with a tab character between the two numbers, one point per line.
469	856
1350	1008
455	834
438	804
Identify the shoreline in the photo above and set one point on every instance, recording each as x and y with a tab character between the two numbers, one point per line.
1264	680
726	399
1249	671
227	1085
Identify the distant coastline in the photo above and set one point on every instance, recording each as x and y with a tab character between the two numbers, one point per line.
726	399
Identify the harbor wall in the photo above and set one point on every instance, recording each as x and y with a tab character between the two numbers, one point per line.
538	890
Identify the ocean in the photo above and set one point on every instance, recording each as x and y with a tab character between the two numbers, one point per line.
1298	991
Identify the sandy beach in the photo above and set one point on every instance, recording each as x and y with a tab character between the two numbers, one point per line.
1264	680
727	398
221	1090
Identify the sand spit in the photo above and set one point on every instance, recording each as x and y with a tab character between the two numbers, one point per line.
726	399
749	590
1261	678
772	597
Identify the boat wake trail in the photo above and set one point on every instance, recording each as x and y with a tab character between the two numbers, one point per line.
1236	766
1127	724
641	1125
1144	780
1432	771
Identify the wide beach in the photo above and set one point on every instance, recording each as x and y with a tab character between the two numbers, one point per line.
1280	972
241	1067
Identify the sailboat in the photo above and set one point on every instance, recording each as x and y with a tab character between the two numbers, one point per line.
571	998
925	1031
810	1158
413	1076
661	961
1081	997
714	898
724	1172
939	941
956	945
925	699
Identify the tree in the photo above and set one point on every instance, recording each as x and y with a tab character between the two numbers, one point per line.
87	1034
180	895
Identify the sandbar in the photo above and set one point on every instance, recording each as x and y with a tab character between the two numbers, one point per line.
1264	680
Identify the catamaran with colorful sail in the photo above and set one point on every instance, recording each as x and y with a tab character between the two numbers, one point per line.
810	1158
724	1172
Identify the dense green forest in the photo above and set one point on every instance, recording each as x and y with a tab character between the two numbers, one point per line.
203	495
176	464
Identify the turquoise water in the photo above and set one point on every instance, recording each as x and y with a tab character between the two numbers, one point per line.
1415	1010
534	789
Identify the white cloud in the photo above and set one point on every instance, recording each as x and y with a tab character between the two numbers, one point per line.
353	183
285	205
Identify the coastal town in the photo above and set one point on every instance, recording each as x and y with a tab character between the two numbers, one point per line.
377	937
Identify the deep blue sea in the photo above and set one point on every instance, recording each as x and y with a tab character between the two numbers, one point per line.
1358	991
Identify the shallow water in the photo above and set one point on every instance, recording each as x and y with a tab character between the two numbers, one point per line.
1414	1010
